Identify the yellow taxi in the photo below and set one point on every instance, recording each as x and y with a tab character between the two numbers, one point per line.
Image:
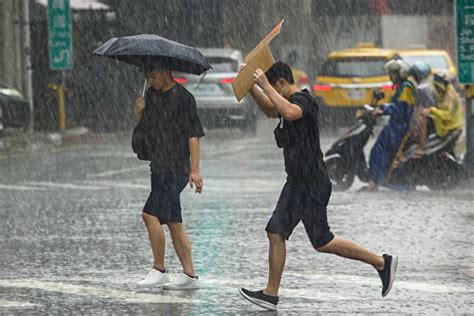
301	79
347	79
436	58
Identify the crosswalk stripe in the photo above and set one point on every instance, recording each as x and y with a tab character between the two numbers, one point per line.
101	292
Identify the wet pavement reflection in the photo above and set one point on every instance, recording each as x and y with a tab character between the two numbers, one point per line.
72	239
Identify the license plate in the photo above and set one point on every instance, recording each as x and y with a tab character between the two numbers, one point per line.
356	94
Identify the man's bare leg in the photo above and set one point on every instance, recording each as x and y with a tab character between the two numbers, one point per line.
276	263
157	240
182	246
351	250
422	138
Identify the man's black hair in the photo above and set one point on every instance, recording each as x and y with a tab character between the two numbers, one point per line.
157	65
280	70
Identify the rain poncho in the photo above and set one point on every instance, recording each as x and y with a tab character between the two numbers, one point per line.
447	114
391	137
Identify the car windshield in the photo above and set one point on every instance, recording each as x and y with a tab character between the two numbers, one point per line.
436	62
354	67
223	64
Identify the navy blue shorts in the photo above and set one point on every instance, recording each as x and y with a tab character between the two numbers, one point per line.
306	203
164	201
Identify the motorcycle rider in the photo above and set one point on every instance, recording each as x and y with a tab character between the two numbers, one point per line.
447	114
424	94
393	133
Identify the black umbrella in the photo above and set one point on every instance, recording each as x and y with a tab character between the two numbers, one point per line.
141	49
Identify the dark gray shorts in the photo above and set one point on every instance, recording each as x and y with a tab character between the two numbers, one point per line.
306	203
164	201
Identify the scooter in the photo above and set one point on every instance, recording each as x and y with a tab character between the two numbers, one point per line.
346	159
438	168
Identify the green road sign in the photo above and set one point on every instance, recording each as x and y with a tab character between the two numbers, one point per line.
59	35
465	40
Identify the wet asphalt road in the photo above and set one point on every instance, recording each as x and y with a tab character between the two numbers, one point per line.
72	239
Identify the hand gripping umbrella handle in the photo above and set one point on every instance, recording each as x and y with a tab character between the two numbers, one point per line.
144	88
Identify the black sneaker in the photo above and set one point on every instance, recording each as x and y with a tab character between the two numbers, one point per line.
387	275
260	299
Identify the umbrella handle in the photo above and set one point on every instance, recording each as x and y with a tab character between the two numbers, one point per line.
144	88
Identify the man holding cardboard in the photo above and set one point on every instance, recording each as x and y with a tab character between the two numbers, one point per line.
308	188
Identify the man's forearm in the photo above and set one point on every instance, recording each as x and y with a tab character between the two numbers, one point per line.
138	115
194	149
286	109
263	102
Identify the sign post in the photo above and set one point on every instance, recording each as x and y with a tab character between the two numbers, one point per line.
464	14
60	47
465	40
59	35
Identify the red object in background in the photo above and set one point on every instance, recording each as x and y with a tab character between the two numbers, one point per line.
321	87
303	80
226	80
180	80
387	87
379	6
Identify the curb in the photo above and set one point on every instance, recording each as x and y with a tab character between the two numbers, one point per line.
18	141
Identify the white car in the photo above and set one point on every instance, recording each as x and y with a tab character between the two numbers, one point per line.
217	105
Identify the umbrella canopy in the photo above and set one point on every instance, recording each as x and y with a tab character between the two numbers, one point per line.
141	49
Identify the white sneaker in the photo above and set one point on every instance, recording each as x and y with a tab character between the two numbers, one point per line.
154	278
182	281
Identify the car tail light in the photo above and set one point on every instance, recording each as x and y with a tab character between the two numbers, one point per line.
387	87
226	80
181	80
321	87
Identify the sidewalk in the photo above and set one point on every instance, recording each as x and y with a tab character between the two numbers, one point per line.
17	141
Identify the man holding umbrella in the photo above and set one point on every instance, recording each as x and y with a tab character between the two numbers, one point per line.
175	128
168	115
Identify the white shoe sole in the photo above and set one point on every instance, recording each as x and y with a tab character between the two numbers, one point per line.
258	302
393	271
158	284
170	286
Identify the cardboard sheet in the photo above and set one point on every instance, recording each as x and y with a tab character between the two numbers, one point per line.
259	57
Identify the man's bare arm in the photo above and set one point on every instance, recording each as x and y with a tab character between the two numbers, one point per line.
263	102
138	108
287	110
195	176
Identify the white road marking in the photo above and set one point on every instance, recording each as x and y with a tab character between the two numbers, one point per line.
306	293
237	149
60	185
114	172
399	284
243	185
101	292
115	184
212	185
4	303
18	187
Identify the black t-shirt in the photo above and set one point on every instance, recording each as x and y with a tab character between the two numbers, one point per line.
302	151
172	118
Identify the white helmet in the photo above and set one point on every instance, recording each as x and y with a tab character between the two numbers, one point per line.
441	78
398	65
